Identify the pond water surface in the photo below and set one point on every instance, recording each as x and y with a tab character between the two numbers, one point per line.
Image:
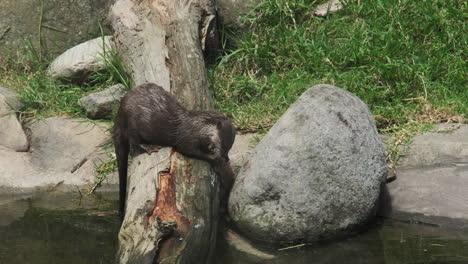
31	232
386	242
58	229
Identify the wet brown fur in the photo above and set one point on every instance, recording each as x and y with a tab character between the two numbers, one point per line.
149	115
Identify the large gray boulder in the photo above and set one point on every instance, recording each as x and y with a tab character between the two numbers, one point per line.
99	105
317	174
82	59
11	132
65	23
432	180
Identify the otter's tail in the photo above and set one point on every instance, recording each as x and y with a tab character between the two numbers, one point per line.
122	149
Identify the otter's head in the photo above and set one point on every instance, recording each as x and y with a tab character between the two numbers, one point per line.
218	141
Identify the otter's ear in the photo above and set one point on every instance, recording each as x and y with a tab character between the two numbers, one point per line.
219	125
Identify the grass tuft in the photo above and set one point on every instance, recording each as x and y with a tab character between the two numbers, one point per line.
43	96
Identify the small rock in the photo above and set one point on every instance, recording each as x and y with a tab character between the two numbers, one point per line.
99	105
243	245
241	150
11	132
81	59
328	7
231	11
316	175
12	98
432	180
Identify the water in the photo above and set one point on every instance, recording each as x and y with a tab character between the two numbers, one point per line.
388	242
58	228
71	234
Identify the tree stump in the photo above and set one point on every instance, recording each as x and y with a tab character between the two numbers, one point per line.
173	201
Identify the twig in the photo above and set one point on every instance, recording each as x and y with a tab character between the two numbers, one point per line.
449	128
97	184
296	246
54	29
424	86
40	27
77	166
414	99
79	192
4	32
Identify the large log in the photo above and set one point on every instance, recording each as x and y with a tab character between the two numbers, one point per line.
172	212
162	41
173	202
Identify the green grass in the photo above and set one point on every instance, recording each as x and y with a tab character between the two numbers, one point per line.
42	96
403	58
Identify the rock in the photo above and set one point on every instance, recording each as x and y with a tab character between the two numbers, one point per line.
99	105
431	181
12	98
243	245
58	145
61	143
12	135
231	11
65	23
241	150
81	59
316	175
11	132
328	7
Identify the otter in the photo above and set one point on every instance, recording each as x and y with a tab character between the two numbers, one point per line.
149	117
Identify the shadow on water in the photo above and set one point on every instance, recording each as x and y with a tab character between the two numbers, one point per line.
387	242
38	236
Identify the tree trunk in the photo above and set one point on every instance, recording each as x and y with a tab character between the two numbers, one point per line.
172	210
161	41
173	202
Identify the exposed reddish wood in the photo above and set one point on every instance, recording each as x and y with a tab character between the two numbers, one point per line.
165	207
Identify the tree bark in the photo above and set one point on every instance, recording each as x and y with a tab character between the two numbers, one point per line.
173	202
172	210
162	41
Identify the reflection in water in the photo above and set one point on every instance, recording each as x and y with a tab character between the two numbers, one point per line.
388	242
43	236
31	234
